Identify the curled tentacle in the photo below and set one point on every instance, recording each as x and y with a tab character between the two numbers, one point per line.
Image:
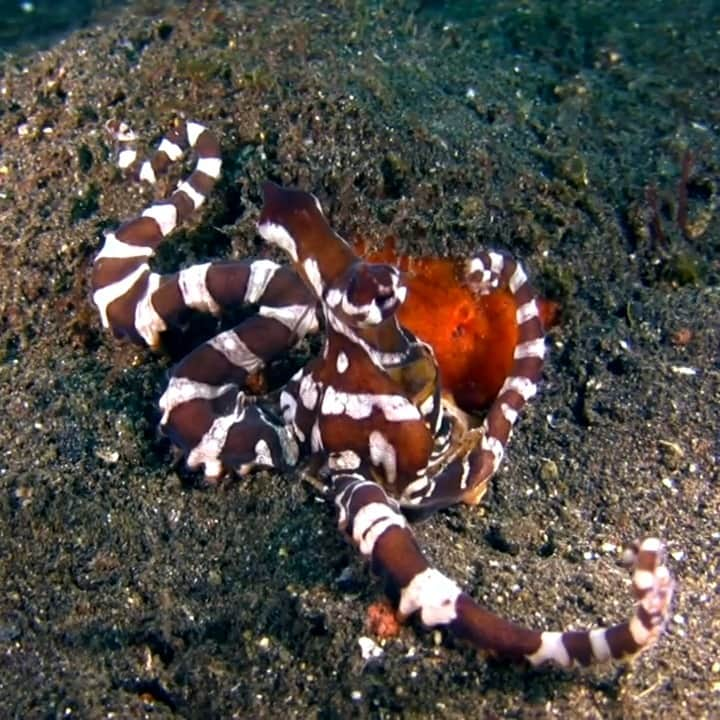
124	289
377	527
205	410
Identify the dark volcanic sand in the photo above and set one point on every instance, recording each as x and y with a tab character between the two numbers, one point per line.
128	591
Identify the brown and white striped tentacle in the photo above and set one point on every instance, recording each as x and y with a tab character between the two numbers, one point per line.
375	524
467	477
220	430
293	221
170	150
521	384
205	412
124	288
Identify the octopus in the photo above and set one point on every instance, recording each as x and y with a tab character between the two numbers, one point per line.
373	417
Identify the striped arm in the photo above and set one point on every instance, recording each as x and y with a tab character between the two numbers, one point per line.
220	430
376	526
123	287
126	141
171	150
467	474
487	270
205	412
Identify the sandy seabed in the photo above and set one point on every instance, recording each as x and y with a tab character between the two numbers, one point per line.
581	137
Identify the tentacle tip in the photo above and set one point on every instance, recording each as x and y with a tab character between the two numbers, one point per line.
660	599
213	473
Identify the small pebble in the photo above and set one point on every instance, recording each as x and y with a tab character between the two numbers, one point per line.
369	649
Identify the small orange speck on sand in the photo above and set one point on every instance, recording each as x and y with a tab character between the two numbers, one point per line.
382	620
682	337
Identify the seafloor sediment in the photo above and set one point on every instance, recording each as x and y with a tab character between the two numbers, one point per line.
581	137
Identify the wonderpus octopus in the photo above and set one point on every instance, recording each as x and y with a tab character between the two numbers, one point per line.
368	417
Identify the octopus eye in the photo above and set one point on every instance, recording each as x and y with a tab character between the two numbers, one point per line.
372	294
383	295
387	301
